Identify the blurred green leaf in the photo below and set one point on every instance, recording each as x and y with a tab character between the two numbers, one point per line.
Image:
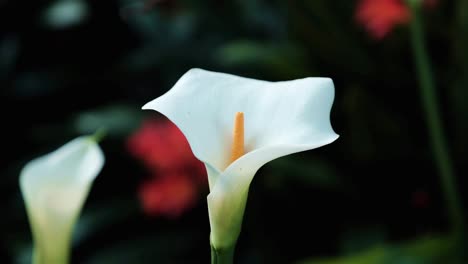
360	239
462	15
65	13
164	35
117	120
23	254
282	59
372	256
428	250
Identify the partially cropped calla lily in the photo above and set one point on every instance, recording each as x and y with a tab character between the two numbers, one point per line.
54	189
235	125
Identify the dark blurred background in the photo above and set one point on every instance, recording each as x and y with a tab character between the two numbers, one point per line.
69	67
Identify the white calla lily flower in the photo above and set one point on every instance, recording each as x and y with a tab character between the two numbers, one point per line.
54	189
281	118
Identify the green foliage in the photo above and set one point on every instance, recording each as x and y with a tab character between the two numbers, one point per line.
429	250
117	120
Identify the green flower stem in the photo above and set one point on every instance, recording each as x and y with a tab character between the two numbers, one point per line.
222	256
433	120
59	256
57	259
99	135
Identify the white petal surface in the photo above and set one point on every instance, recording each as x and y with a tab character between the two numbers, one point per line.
54	188
203	105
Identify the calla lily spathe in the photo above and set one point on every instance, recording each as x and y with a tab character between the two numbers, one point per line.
54	189
281	118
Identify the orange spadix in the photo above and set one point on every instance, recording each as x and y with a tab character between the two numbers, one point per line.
238	137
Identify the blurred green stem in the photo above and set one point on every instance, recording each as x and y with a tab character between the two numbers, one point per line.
99	135
433	120
222	256
61	256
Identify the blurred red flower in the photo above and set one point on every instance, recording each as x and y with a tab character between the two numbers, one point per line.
161	146
170	195
177	175
379	17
